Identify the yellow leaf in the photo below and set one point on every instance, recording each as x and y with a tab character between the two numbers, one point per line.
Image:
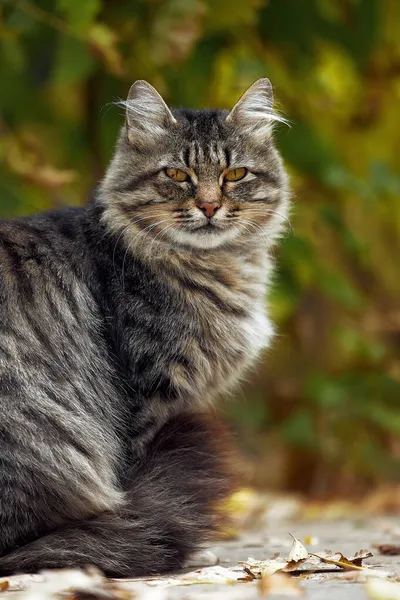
352	564
382	589
103	43
281	584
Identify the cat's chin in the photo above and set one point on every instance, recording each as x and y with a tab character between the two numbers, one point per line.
204	238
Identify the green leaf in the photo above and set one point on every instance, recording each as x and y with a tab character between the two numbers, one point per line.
73	61
337	287
79	13
306	150
328	393
299	429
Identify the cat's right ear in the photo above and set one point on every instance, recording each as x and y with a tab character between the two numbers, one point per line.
147	115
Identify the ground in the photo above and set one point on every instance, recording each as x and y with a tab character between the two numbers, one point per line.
347	536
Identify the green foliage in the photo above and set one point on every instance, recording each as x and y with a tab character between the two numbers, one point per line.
328	397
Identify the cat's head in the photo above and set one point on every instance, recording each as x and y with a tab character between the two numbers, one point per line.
199	179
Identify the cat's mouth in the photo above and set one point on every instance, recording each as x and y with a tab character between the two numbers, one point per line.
209	227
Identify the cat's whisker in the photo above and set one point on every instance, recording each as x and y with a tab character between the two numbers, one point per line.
144	232
257	228
125	229
258	212
157	234
116	244
160	233
149	216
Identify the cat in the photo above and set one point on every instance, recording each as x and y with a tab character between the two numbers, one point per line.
121	322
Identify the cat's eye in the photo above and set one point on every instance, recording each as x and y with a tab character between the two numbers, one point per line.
235	174
177	174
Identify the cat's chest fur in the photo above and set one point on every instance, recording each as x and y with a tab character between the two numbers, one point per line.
234	324
207	326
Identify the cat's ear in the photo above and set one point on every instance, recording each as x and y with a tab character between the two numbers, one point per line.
147	115
254	111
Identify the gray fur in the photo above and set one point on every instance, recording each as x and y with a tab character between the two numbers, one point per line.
118	323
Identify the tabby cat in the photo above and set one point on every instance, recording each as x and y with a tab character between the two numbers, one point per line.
120	322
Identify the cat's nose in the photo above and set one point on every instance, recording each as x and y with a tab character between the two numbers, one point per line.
209	208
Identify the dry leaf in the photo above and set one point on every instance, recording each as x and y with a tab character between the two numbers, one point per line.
215	574
263	568
298	552
4	585
388	549
382	589
77	584
311	540
337	559
281	584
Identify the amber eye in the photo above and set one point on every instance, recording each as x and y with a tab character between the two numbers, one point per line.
235	174
177	174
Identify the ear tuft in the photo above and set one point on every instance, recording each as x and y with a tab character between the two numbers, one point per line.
147	115
254	111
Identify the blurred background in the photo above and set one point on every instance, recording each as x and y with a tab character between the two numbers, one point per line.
321	414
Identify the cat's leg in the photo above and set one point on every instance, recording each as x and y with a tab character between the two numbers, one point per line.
170	509
47	481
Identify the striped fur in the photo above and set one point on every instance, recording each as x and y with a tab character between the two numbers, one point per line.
119	323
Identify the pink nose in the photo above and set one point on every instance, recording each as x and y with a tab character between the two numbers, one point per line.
209	208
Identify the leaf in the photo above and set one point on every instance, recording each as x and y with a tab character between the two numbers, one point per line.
388	549
298	551
79	14
103	43
382	589
311	540
264	568
338	559
73	61
281	584
24	158
176	29
215	574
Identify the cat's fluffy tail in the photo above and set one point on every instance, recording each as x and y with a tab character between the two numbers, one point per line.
170	510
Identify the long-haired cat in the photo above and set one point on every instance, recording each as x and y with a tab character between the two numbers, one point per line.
119	322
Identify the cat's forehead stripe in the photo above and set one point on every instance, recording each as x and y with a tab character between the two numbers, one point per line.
212	152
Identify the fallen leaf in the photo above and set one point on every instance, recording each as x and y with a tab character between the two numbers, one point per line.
338	559
388	549
263	568
215	574
359	576
311	540
298	551
382	589
4	585
281	584
78	584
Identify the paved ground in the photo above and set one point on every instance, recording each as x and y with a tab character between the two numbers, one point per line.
345	536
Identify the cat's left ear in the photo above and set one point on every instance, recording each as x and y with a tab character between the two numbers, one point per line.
147	115
254	111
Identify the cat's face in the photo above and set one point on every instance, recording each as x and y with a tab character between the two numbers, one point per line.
200	179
